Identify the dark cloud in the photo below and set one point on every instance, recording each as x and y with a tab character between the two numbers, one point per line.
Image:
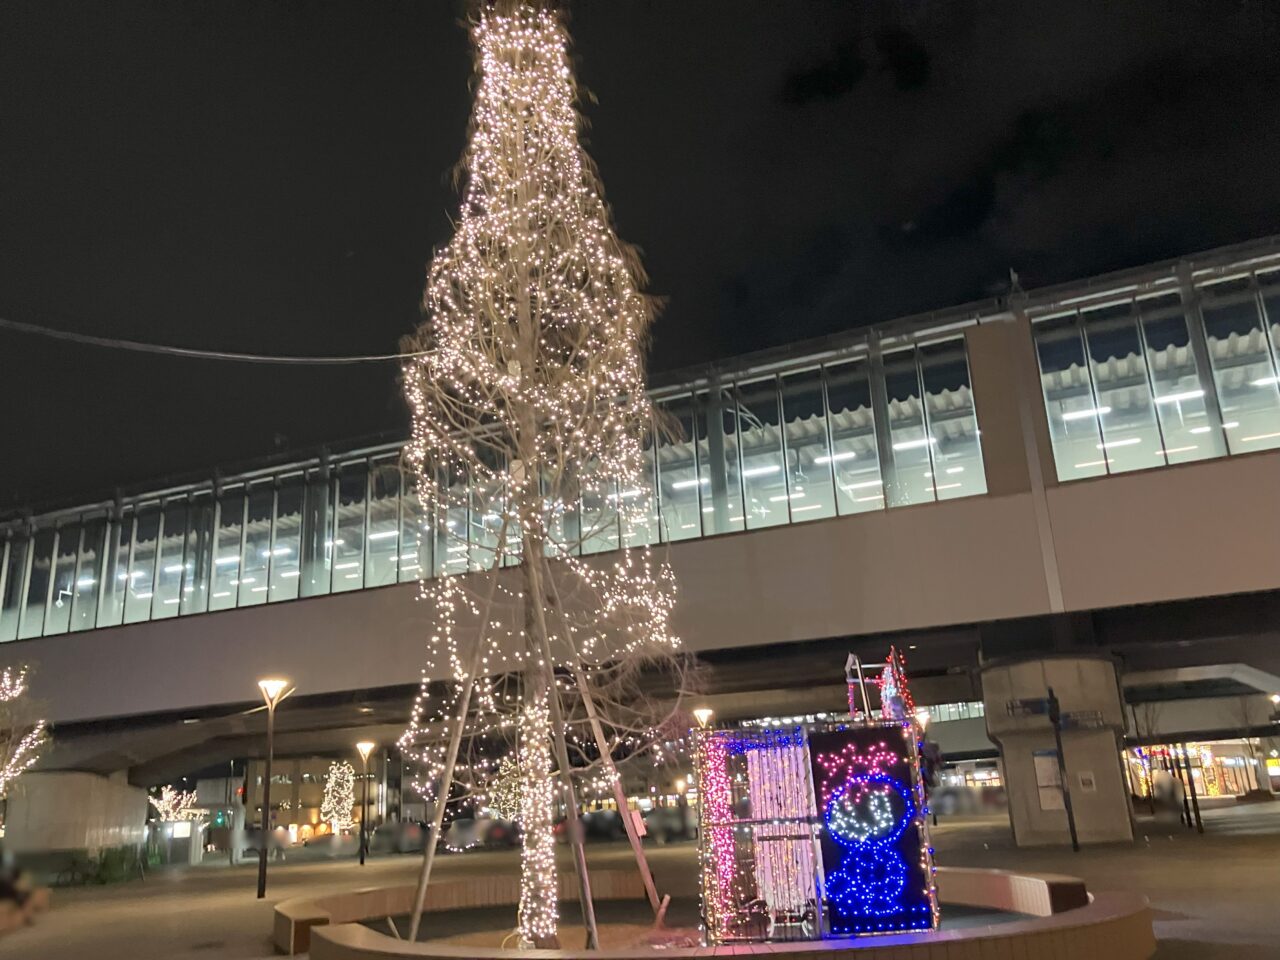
904	57
273	177
829	80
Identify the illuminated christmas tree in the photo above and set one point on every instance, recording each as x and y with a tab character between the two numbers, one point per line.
22	733
532	442
504	797
339	796
173	805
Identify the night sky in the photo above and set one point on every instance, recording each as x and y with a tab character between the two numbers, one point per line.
272	177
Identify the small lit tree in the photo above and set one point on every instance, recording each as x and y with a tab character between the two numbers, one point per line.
22	732
173	805
339	796
533	439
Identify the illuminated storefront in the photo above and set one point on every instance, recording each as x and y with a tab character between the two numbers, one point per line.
1222	768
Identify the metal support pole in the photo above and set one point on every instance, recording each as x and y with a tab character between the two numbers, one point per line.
536	595
619	794
1191	789
364	809
450	760
1055	718
606	756
266	803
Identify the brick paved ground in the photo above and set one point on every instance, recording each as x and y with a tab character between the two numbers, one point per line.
1216	896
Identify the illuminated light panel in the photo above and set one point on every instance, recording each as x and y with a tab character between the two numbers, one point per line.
1180	397
877	860
836	457
1086	414
915	444
1124	442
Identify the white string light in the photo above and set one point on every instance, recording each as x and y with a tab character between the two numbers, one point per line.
531	436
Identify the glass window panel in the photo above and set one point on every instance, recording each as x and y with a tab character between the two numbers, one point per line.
454	536
41	569
226	553
1068	399
172	568
1244	368
199	555
11	599
953	422
1270	287
384	523
64	580
115	577
486	505
317	535
638	504
415	535
142	565
562	521
720	484
287	539
909	433
84	605
599	516
1131	439
1182	390
1245	373
348	544
855	458
678	475
253	586
808	453
764	481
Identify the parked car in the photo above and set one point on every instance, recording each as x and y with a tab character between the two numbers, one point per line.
467	833
665	824
405	836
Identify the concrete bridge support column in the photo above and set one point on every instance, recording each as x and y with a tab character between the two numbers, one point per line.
1016	695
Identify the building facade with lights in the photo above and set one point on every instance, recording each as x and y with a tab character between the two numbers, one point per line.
1086	471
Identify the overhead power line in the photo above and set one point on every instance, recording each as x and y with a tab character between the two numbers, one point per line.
137	346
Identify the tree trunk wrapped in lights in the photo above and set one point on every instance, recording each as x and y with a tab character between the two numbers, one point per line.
532	436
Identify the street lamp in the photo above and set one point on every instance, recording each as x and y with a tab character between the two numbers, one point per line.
365	747
273	691
703	715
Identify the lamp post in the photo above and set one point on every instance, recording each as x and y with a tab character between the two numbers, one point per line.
273	691
365	747
703	715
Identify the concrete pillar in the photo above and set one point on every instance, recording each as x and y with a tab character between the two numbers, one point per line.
1093	724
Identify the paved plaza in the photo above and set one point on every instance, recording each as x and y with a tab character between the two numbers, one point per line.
1215	896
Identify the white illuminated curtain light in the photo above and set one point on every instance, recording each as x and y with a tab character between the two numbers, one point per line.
779	788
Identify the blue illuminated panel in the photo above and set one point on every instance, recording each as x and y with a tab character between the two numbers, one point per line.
875	854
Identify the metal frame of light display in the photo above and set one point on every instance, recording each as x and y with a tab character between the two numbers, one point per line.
817	830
